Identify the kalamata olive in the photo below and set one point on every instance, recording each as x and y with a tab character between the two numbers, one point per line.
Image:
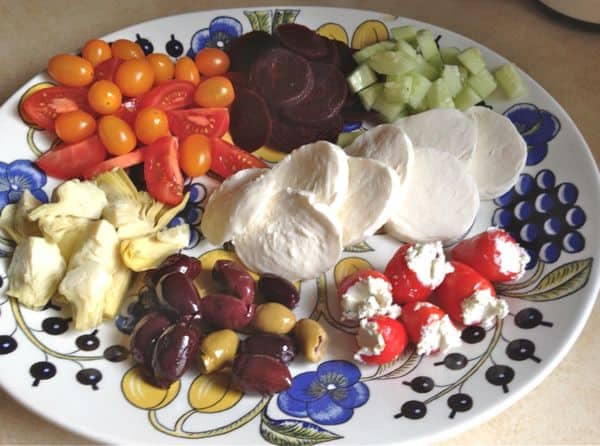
311	339
260	374
225	311
177	293
273	318
190	266
277	289
144	337
174	352
217	350
280	347
234	279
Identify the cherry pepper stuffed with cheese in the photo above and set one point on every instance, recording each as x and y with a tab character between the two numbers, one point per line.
469	298
366	293
415	270
494	254
380	339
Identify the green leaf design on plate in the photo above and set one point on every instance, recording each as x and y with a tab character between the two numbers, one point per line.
558	283
402	366
284	16
293	432
359	247
259	20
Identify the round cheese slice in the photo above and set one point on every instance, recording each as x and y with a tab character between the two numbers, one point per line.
293	237
500	153
439	201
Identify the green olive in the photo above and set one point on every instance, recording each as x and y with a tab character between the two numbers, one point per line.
311	339
217	350
272	317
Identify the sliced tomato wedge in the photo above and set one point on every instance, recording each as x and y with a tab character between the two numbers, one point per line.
171	95
227	159
122	161
164	180
128	111
105	71
68	161
212	122
43	106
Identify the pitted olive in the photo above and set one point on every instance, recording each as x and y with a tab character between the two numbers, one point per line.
311	339
277	289
272	317
217	350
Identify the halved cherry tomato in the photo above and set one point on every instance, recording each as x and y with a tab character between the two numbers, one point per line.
68	161
104	97
170	95
151	123
122	161
228	159
43	106
163	67
212	61
116	135
126	49
195	155
105	71
74	126
216	91
186	70
134	77
161	171
212	122
96	51
70	70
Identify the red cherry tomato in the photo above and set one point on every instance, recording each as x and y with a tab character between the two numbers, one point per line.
195	155
43	106
212	122
394	337
171	95
68	161
122	162
215	91
406	286
161	171
74	126
96	51
228	159
105	71
212	61
70	70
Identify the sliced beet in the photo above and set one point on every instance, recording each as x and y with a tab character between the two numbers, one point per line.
251	124
244	50
332	56
287	136
281	77
301	40
346	62
238	79
325	99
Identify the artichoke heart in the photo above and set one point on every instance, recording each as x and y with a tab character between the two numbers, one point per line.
15	221
148	252
67	232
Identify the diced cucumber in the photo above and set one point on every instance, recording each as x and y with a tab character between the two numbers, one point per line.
426	69
398	91
361	78
483	83
451	77
438	95
466	98
344	139
369	95
407	48
408	33
389	111
391	62
429	48
449	55
472	60
368	51
510	81
464	74
420	86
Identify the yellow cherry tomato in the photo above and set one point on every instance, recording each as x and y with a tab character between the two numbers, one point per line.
134	77
150	124
186	70
72	71
163	67
216	91
212	61
96	51
195	155
104	97
126	49
116	135
74	126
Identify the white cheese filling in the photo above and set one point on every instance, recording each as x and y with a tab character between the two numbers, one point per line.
481	308
510	258
367	298
369	339
428	262
438	335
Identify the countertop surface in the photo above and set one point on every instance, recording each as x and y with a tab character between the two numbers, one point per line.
561	54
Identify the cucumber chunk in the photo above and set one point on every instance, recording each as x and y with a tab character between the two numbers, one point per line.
391	62
472	60
426	69
361	78
449	55
367	52
420	87
483	83
429	48
369	95
408	33
438	95
398	91
389	111
510	81
451	77
344	139
466	98
407	48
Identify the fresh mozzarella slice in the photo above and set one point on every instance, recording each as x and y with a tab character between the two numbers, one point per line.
372	190
234	203
445	129
386	143
293	237
319	168
499	155
439	200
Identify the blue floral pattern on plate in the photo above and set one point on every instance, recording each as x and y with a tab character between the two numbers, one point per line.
18	176
220	32
191	214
